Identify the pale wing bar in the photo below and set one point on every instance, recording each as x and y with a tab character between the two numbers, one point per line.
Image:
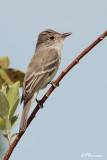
36	79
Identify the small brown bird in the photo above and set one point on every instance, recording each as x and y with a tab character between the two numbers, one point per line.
42	68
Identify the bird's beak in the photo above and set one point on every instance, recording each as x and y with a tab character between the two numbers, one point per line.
64	35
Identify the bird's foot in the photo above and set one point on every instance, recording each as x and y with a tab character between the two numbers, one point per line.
39	103
55	86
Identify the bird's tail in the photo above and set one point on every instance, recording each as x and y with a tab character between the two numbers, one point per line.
24	117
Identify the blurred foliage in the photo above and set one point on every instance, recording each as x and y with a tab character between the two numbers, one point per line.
10	81
8	105
4	62
9	75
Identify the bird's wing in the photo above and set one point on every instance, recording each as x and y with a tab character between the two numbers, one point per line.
42	70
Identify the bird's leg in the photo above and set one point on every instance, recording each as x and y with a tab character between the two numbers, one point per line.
52	83
39	103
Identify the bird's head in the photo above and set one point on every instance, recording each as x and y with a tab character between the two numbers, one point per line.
50	38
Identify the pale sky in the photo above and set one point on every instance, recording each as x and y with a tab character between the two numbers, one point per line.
74	119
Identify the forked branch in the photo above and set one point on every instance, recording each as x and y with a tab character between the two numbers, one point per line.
45	97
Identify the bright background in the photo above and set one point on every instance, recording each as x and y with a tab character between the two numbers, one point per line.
74	119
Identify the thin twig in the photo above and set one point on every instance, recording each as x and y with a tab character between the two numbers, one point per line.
9	139
45	97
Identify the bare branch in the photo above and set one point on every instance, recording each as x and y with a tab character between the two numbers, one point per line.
45	97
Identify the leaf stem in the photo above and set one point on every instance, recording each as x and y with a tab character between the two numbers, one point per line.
9	138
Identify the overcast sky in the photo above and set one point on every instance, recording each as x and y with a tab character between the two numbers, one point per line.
74	119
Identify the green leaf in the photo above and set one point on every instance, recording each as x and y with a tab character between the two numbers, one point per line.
4	88
4	62
14	134
8	125
12	111
1	82
4	106
13	98
5	125
2	124
10	76
13	120
4	135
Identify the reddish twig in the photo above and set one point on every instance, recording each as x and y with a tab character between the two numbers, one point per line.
45	97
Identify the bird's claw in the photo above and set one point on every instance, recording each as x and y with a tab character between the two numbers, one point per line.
39	103
55	86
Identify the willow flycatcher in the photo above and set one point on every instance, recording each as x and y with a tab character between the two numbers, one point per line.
42	68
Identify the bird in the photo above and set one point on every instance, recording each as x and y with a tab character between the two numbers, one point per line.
41	69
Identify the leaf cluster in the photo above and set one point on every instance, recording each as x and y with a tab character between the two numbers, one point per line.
8	105
9	97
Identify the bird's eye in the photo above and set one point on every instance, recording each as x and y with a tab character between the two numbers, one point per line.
52	37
